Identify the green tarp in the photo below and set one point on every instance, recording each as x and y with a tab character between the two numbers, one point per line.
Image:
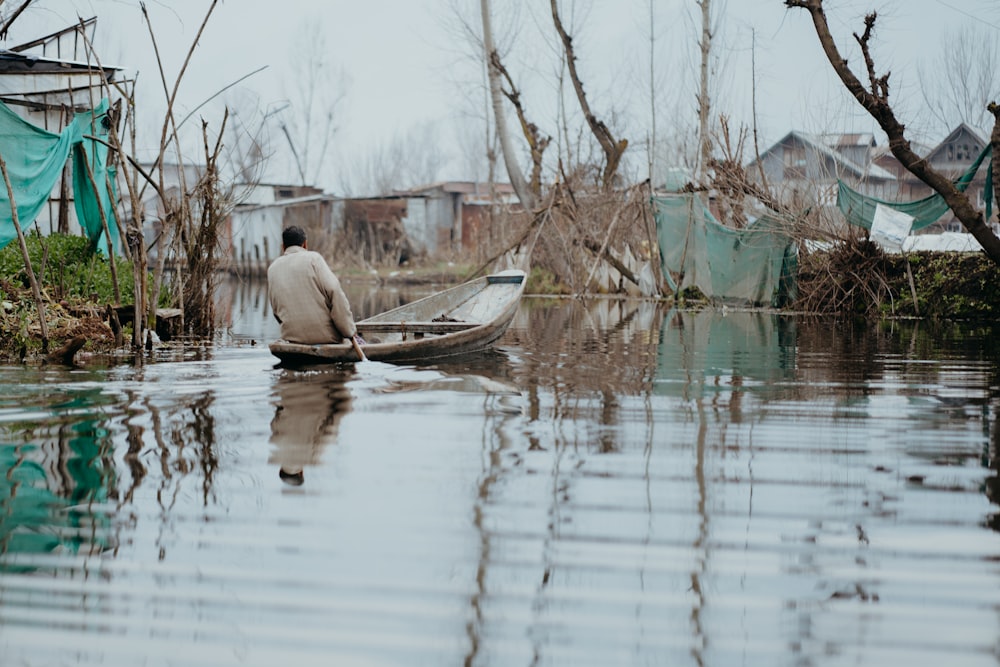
859	209
754	265
35	159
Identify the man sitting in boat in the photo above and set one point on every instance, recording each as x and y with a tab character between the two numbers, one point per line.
306	296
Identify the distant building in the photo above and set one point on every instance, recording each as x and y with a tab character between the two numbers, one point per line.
951	158
264	210
437	220
805	168
45	81
452	215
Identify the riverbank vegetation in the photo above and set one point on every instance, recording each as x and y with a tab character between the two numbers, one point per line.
81	298
582	214
857	279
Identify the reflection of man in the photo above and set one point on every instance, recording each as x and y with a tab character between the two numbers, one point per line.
309	408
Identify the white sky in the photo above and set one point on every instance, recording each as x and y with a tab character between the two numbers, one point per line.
405	70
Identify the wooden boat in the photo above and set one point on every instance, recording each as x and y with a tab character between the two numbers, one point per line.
465	318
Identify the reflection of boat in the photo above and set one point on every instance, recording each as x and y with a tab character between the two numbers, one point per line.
465	318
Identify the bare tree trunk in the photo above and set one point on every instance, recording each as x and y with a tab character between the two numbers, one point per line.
704	100
994	109
35	291
613	149
875	100
652	95
527	199
536	142
753	104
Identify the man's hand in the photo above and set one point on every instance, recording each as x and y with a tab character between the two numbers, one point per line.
358	339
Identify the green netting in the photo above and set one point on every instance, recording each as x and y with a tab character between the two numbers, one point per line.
35	159
92	198
859	209
754	265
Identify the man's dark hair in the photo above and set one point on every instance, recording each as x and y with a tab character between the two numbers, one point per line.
293	235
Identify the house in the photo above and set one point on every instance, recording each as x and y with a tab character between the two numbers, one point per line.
951	158
431	221
434	220
264	210
806	167
452	215
46	81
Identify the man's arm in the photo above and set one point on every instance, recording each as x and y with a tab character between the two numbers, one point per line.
340	308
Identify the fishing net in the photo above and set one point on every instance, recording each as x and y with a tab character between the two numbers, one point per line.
755	265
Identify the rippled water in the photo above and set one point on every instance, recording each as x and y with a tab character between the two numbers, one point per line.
616	484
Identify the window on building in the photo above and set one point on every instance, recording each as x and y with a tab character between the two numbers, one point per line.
795	162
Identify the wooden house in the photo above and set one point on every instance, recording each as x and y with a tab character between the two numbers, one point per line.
952	157
452	215
806	167
264	210
47	80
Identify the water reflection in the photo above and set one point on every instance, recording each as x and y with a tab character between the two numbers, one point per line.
58	476
308	408
616	483
711	351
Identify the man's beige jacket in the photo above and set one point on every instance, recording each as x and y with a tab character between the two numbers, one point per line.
307	299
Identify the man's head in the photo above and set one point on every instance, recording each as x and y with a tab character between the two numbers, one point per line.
293	235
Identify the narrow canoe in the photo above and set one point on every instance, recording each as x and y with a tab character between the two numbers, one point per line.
462	319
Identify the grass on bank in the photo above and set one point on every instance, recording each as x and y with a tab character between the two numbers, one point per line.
76	285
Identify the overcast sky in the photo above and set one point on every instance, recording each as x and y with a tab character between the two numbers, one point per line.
400	67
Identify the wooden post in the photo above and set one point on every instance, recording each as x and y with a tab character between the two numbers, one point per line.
36	292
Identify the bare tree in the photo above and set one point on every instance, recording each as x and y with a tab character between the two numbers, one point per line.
248	145
315	99
517	180
875	100
704	98
408	159
966	78
613	148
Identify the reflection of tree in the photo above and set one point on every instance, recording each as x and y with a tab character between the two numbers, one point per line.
991	461
701	543
495	443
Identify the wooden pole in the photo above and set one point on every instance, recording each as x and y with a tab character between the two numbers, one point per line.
35	291
357	349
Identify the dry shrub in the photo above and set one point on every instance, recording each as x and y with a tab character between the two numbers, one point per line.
573	232
851	277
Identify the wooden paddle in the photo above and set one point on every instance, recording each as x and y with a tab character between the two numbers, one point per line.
357	349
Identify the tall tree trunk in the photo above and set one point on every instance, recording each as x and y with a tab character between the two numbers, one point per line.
704	100
651	158
875	100
613	149
517	181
